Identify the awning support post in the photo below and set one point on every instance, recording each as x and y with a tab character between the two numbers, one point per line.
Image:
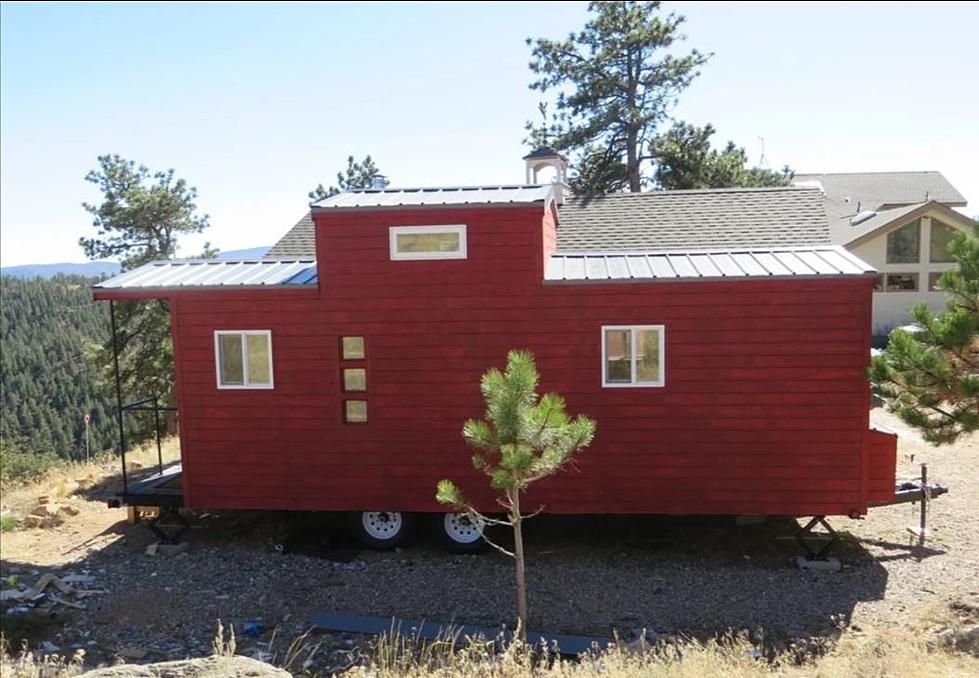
119	413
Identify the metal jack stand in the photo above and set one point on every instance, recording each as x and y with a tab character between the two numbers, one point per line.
816	544
169	525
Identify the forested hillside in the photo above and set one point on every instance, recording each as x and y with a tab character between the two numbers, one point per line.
48	331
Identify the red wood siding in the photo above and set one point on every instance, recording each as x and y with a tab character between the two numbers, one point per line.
764	410
881	452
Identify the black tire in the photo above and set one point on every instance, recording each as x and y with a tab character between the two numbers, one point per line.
455	535
381	530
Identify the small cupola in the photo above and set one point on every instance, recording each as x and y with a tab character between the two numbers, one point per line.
542	158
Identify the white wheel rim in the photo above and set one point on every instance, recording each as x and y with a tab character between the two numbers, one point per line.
463	528
381	524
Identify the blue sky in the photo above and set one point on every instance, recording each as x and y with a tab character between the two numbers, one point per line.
255	104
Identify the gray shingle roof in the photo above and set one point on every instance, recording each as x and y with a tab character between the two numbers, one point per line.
710	218
299	241
850	193
775	262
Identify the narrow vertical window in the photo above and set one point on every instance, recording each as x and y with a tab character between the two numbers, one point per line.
243	358
633	355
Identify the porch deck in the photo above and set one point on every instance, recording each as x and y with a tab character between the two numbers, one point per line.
164	488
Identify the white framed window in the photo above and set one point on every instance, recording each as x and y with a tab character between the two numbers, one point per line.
633	355
243	358
428	242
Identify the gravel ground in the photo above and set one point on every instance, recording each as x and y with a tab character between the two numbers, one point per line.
586	575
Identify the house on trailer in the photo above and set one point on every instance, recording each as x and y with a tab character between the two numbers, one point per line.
718	337
900	223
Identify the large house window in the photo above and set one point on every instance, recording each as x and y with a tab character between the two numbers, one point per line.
903	244
632	355
941	234
428	242
243	358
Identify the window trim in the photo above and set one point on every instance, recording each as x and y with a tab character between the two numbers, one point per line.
634	333
244	361
395	231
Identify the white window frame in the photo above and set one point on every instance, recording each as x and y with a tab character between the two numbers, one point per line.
244	360
635	329
395	231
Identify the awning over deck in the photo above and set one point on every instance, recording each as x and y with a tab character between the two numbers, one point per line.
196	274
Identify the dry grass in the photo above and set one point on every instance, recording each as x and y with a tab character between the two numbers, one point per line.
903	653
64	480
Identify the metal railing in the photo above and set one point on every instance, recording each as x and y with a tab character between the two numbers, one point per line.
151	404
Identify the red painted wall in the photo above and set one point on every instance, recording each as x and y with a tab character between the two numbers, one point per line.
765	408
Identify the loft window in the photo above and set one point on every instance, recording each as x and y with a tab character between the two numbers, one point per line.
243	358
904	244
941	235
633	355
428	242
902	282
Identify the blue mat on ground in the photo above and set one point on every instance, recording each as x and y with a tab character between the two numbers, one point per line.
411	628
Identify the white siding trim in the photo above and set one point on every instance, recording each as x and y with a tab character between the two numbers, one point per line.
244	360
633	332
395	231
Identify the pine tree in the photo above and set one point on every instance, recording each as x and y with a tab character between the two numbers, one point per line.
361	174
616	81
930	376
522	439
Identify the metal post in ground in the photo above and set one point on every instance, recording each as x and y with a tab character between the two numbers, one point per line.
119	414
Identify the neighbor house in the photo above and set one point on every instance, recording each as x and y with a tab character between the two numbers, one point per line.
900	223
718	338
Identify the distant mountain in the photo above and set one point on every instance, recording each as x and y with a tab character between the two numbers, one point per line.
90	269
98	269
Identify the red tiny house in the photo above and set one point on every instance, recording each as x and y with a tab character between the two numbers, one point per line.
763	406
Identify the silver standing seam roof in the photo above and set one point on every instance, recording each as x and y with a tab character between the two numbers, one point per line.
438	197
194	273
790	262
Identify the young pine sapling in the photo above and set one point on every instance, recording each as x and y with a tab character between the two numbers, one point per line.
523	438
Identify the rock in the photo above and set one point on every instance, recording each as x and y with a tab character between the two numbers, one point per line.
11	594
228	667
827	565
135	653
160	549
48	647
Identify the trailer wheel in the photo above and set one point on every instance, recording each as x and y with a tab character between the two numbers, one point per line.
381	529
460	532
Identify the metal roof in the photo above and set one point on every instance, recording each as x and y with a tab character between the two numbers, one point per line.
740	263
705	218
197	273
437	197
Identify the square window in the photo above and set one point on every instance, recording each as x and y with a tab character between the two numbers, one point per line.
354	379
633	355
243	358
352	348
933	279
902	282
355	411
903	244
